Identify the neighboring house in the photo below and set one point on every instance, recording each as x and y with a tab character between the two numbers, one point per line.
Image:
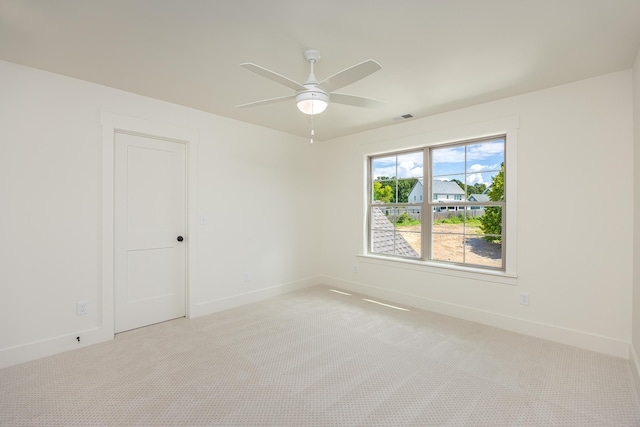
386	239
478	198
443	192
415	196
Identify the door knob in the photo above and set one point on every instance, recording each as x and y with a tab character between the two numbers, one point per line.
180	238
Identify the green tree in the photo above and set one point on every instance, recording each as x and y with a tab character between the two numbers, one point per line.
476	188
491	221
402	186
385	181
481	187
383	193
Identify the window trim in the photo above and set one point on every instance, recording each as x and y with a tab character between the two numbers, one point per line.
438	137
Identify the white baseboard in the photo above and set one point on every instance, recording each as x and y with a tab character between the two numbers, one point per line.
635	366
48	347
585	340
213	306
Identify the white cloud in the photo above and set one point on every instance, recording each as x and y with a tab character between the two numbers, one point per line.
479	168
409	169
386	171
408	166
474	152
448	155
484	150
475	178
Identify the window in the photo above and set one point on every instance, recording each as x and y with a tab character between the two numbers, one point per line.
450	227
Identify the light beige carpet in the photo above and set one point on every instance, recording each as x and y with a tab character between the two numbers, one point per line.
320	358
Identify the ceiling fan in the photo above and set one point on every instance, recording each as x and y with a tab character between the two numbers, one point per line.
313	97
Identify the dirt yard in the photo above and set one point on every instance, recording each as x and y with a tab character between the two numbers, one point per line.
450	247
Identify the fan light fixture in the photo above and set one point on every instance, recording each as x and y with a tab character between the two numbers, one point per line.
312	102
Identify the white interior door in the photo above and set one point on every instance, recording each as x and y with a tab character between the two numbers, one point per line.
150	225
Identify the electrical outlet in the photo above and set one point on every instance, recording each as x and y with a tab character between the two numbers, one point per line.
524	298
247	276
355	269
81	308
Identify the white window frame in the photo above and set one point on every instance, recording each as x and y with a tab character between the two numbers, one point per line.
503	126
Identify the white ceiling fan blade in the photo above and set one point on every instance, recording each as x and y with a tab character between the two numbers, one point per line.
272	76
350	75
356	101
266	101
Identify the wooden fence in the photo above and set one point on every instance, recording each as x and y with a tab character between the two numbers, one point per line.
392	213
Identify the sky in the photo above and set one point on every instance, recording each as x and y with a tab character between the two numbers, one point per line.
482	161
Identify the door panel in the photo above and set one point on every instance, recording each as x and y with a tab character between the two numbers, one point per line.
150	213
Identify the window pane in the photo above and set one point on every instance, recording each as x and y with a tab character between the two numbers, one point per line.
408	225
480	181
485	156
447	161
384	185
383	168
396	231
382	241
409	190
448	235
447	190
491	221
480	251
484	163
384	190
446	221
410	165
447	247
382	231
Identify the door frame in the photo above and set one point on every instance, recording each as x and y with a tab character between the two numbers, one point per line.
115	123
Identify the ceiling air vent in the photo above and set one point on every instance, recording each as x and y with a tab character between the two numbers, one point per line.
404	117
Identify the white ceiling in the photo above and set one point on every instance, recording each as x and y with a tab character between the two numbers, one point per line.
437	55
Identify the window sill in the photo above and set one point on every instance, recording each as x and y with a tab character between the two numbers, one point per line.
447	270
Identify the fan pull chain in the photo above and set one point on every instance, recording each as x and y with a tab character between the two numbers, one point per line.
312	131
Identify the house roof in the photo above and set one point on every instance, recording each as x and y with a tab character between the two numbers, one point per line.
446	187
440	187
386	239
479	197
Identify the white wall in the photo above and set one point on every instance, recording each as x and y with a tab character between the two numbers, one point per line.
575	263
574	253
50	180
636	234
